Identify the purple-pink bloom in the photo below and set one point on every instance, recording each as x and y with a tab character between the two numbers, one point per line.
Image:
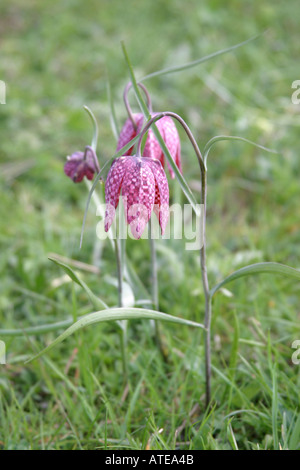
152	148
81	164
144	187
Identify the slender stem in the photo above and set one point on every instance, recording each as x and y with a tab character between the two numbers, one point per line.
95	127
90	149
123	337
208	312
127	105
183	124
153	270
93	148
207	296
119	272
154	291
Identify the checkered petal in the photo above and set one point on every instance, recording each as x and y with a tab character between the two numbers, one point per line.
172	141
138	193
113	186
152	148
161	204
80	165
143	184
128	132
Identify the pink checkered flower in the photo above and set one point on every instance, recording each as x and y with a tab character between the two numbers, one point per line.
152	148
144	188
82	164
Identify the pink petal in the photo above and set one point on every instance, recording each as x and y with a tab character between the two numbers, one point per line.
172	141
128	132
152	148
138	193
76	167
112	188
161	206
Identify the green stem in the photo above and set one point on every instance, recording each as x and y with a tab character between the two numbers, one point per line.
117	254
154	292
185	127
127	105
208	310
207	296
123	337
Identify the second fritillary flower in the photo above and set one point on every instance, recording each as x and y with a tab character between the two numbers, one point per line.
152	148
82	164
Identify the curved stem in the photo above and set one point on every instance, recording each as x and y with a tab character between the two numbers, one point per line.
90	149
127	105
185	127
95	126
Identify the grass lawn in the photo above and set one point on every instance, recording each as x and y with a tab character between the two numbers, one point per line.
55	58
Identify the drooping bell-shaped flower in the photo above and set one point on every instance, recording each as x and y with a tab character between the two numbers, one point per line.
82	164
144	188
152	148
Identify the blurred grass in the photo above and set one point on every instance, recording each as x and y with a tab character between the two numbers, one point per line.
54	59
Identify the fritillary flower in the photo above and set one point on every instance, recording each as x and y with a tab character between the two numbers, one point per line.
144	188
82	164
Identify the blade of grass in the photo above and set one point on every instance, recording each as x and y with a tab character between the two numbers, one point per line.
231	436
294	438
275	408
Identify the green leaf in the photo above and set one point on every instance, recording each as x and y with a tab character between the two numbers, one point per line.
275	408
294	438
180	68
258	268
219	138
116	314
113	118
184	186
231	436
96	301
37	329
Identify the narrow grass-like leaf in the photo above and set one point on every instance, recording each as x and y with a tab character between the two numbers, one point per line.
96	301
231	436
227	396
275	408
115	314
184	186
219	138
294	438
194	63
38	329
258	268
113	117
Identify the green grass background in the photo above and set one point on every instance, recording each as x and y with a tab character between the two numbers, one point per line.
54	58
